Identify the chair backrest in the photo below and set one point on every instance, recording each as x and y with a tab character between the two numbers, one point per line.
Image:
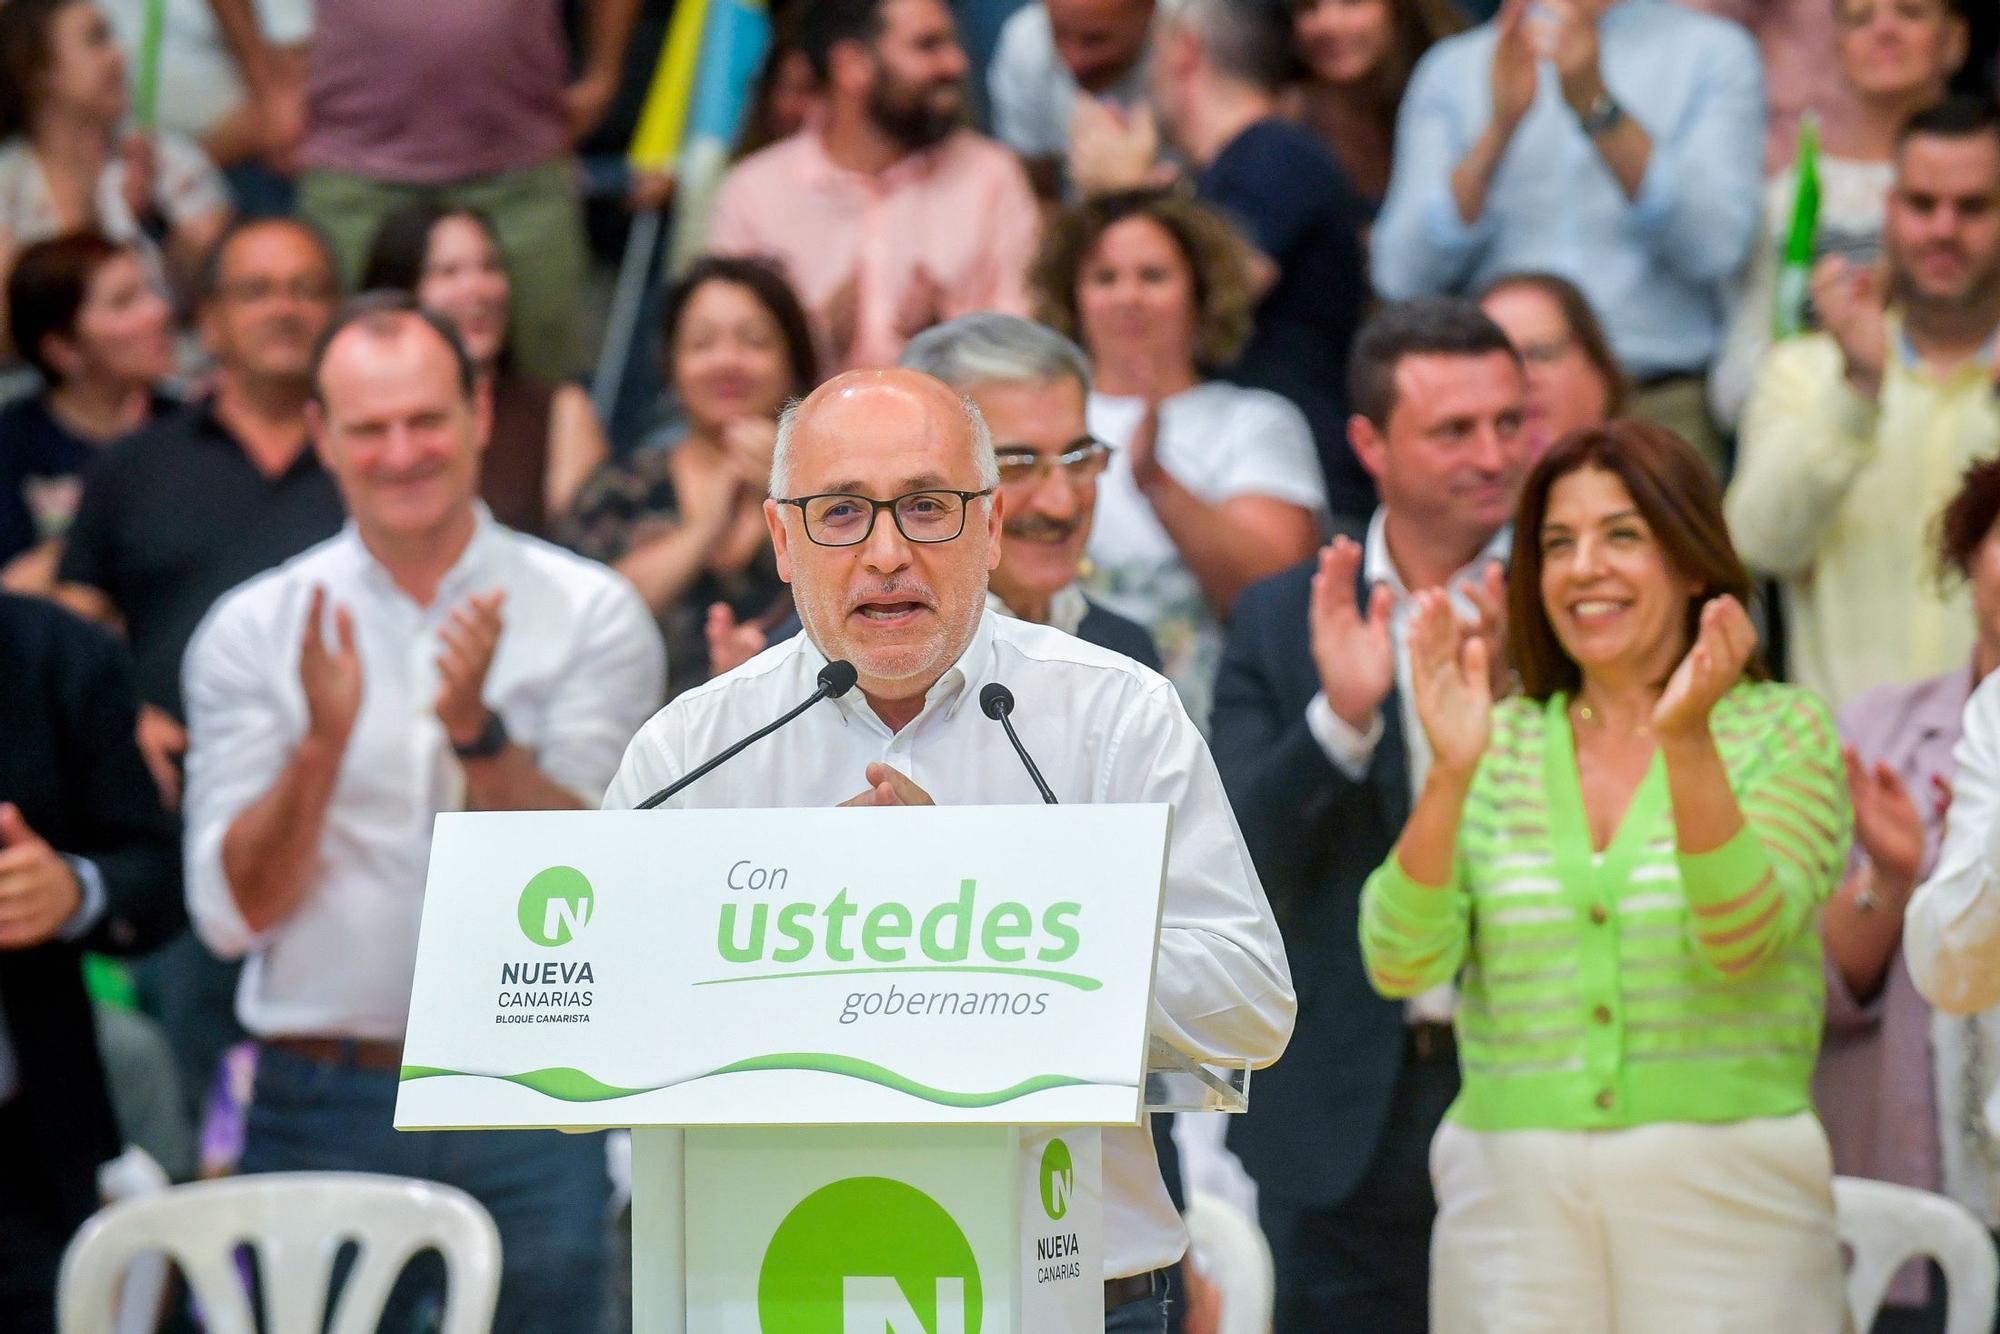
132	1175
297	1222
1886	1224
1236	1258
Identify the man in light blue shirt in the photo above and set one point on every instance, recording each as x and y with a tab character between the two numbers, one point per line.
1618	144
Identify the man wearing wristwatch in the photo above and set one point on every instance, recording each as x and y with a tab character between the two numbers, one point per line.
1616	143
426	659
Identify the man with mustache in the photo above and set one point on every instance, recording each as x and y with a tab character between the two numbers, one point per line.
1319	746
888	216
1855	437
190	506
886	520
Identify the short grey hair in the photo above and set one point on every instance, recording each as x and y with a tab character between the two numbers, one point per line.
990	348
984	461
1249	40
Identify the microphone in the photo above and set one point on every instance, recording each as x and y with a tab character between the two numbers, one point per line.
996	702
835	680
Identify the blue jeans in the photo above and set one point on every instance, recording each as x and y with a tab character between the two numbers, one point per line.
1142	1315
547	1191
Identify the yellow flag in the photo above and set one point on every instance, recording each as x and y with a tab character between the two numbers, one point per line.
664	117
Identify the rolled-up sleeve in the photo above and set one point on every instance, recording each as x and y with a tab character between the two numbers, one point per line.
1222	987
240	737
1698	201
617	681
1951	929
1420	244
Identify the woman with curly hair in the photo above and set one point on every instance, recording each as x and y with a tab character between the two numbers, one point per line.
1899	1085
1211	486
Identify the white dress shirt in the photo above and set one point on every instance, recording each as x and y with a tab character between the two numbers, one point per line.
578	667
1951	929
1103	729
1352	751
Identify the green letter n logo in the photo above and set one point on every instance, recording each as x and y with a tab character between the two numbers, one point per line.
555	907
869	1255
1058	1179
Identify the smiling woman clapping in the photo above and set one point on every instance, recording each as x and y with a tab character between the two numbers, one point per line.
1622	867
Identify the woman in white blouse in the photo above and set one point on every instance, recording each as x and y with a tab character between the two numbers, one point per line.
1211	486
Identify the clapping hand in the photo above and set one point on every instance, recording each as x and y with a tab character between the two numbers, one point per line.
1513	74
1886	823
1112	149
731	642
470	636
1488	595
331	676
1850	300
1351	649
1714	663
1450	682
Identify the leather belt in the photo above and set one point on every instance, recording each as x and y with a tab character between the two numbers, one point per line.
354	1053
1430	1044
1132	1287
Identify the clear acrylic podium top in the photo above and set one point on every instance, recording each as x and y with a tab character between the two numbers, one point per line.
1177	1082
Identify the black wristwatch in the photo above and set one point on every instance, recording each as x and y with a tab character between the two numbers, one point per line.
1602	115
492	739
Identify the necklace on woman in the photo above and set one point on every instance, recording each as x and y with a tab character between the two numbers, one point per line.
1585	713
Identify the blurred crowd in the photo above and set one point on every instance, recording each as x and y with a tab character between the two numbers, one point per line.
1551	447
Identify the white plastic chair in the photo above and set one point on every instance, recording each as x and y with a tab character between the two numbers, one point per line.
297	1223
1232	1253
136	1174
1886	1224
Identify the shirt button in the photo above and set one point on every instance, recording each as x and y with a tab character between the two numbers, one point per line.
1604	1100
1598	915
1602	1014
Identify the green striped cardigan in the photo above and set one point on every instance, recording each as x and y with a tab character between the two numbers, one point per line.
1648	986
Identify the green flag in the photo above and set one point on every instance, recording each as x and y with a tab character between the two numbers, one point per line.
1788	316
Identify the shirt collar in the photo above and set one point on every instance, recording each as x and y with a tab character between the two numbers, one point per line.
470	573
959	682
821	170
1066	609
1906	352
208	425
1377	567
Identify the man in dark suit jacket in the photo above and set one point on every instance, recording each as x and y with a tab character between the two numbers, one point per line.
1314	739
88	860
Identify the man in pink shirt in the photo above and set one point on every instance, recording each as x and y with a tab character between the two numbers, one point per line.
889	216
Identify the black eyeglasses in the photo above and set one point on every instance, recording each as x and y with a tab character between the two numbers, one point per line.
842	519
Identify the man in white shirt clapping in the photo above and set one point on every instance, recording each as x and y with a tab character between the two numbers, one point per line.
886	524
425	659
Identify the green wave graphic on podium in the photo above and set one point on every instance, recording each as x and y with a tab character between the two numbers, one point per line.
568	1084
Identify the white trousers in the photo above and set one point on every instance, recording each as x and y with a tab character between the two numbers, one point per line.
1661	1229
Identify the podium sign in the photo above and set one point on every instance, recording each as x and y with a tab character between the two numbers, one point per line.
984	965
890	1034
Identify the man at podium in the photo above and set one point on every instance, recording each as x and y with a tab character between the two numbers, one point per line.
886	523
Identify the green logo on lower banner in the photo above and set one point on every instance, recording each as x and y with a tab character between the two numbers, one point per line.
1058	1179
869	1253
556	906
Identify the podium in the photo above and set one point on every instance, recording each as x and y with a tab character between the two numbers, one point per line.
870	1058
